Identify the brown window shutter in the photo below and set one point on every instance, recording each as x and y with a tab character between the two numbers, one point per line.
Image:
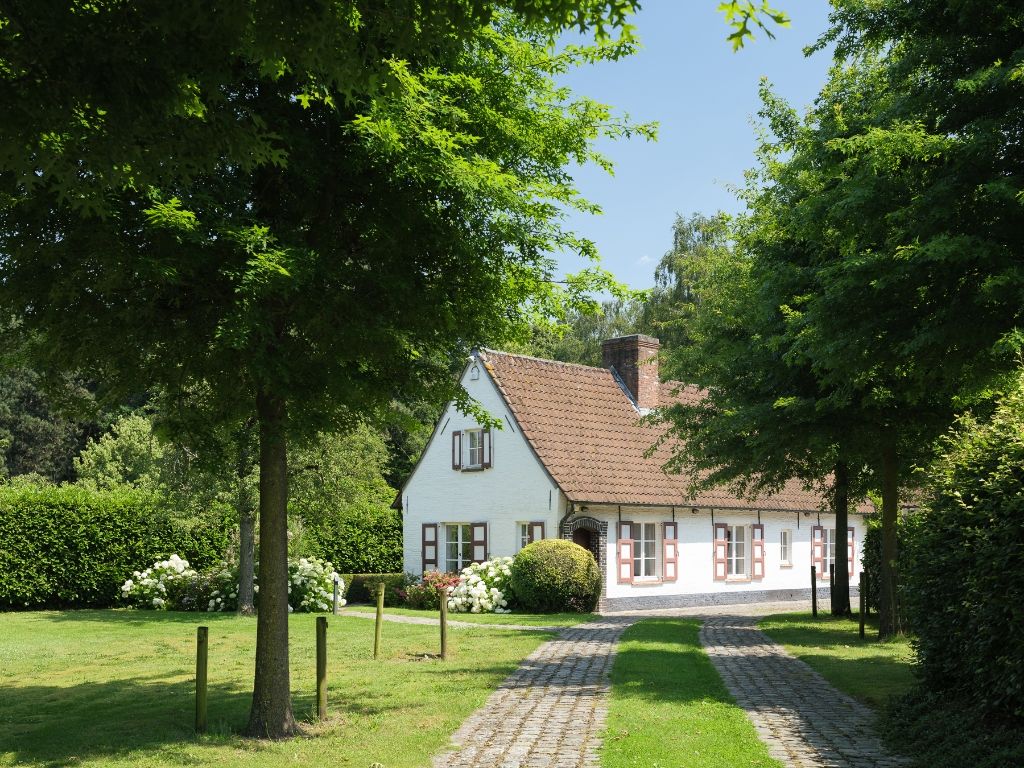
818	549
479	542
429	547
721	551
488	449
850	539
624	557
757	551
536	531
457	450
670	551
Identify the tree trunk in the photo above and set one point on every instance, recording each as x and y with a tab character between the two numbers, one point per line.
246	532
888	605
841	508
271	714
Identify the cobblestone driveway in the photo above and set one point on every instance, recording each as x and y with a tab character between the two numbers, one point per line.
551	711
803	720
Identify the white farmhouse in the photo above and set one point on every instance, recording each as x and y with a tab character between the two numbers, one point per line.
569	462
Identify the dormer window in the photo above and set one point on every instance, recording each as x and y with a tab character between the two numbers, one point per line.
471	449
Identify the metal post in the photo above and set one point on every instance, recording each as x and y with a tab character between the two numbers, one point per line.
380	619
443	594
202	657
814	592
321	666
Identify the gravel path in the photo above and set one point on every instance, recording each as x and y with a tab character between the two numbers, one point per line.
401	619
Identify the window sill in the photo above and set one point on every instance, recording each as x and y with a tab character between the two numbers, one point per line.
473	469
785	565
739	579
647	581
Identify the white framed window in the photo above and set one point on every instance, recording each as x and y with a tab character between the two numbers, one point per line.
786	547
736	551
458	546
645	559
522	535
474	448
828	551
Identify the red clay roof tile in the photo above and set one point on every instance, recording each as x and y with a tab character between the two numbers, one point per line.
588	434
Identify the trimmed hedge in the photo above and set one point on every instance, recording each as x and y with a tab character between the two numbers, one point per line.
964	584
554	575
68	547
362	587
364	541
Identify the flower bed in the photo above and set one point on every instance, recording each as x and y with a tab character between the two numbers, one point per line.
483	588
173	584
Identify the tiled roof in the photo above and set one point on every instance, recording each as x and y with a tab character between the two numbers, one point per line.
587	433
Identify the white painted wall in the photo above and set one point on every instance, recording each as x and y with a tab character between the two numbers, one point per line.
515	489
696	558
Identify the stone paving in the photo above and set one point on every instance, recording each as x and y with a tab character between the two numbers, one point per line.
803	720
551	711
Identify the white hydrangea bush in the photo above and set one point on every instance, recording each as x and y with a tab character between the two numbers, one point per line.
311	585
160	586
483	588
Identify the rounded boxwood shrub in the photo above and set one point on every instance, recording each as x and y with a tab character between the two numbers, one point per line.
556	575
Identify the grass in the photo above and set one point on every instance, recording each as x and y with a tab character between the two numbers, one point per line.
116	688
870	670
525	619
669	707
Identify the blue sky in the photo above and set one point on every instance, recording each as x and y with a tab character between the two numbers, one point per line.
704	96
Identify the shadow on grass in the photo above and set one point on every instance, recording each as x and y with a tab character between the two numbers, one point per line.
128	616
57	725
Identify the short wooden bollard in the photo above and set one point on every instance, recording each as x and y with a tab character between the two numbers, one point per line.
814	592
321	667
380	619
832	588
202	658
337	596
443	595
863	603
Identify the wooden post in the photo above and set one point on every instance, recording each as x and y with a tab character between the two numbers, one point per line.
832	588
337	595
380	619
865	587
321	667
863	602
202	657
814	592
443	594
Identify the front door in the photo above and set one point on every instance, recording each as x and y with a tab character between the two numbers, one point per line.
586	539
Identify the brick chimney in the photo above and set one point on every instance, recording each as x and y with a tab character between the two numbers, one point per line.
635	360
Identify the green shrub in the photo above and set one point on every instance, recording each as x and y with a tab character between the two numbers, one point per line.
554	575
871	558
362	587
964	584
68	547
366	541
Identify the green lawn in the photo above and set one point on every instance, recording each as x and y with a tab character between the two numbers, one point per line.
525	619
116	688
669	707
870	670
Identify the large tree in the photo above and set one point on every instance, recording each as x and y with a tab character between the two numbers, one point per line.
303	215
